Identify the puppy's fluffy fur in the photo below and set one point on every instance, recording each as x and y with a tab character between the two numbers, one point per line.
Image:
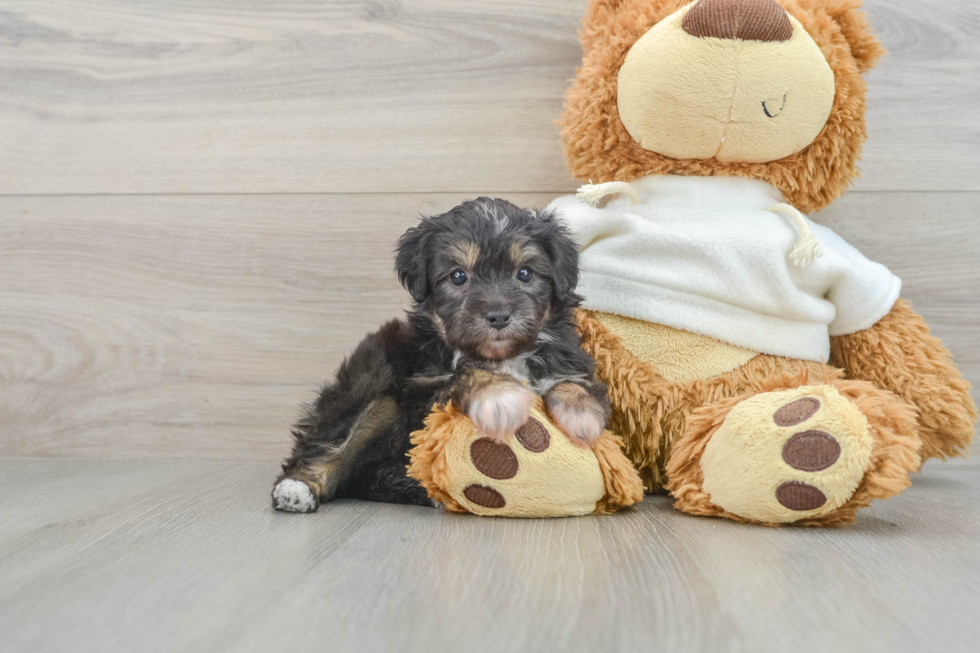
493	288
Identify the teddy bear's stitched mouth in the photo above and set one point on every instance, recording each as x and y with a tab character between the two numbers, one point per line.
768	103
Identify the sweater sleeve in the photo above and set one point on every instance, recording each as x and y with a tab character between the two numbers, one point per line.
861	290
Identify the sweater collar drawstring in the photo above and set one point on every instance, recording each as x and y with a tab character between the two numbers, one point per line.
807	248
592	194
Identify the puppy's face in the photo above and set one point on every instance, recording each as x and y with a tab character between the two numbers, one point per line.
491	297
490	275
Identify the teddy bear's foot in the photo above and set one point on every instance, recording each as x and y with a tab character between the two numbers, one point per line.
536	472
788	455
809	454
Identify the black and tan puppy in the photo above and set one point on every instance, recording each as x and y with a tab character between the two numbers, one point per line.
491	326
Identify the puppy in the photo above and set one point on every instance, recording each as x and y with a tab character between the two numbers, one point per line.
491	326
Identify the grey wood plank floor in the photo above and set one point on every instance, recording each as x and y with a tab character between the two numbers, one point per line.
188	556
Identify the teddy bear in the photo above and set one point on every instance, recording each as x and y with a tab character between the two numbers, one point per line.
760	368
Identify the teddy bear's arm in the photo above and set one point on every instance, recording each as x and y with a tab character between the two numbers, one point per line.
899	354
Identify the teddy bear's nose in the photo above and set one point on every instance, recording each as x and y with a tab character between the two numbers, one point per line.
747	20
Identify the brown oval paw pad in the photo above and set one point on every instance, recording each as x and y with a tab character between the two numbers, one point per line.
484	496
811	451
797	411
798	496
534	436
493	459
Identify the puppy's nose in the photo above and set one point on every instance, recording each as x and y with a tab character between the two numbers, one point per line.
497	319
747	20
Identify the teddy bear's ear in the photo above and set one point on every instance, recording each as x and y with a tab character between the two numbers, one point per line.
605	18
614	25
854	25
597	17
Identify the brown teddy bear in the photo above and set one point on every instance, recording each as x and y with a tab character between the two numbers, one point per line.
760	368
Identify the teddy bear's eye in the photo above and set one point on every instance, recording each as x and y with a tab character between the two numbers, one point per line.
458	277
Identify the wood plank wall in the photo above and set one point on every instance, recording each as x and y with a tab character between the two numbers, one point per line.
198	198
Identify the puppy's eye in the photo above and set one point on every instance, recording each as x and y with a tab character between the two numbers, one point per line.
524	274
458	277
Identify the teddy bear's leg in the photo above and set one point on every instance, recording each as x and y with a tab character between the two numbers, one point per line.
899	354
535	472
794	453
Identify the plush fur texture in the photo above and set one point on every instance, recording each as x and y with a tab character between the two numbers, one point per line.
494	290
599	148
622	483
901	355
561	480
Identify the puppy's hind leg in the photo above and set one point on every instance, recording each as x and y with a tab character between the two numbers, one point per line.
320	464
350	412
386	480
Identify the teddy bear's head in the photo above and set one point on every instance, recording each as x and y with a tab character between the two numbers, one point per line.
764	89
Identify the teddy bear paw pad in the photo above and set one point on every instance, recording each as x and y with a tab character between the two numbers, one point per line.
493	459
533	436
484	496
787	455
811	451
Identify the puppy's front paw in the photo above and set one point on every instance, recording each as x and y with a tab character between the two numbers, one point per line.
577	413
500	409
291	495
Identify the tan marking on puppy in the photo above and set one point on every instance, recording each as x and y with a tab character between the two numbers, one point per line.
465	253
498	405
576	413
324	474
439	325
522	251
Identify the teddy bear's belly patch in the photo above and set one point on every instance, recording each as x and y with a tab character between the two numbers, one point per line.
678	356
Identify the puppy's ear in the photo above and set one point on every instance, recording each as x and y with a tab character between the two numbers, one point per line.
564	256
412	260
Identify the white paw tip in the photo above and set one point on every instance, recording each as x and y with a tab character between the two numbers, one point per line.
581	427
291	495
501	412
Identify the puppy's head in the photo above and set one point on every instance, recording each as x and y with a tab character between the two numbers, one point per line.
490	275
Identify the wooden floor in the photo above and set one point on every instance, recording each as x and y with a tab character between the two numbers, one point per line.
188	556
198	203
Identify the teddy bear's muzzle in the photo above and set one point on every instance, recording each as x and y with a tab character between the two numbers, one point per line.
731	80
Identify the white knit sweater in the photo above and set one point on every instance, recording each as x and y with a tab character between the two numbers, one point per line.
704	255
